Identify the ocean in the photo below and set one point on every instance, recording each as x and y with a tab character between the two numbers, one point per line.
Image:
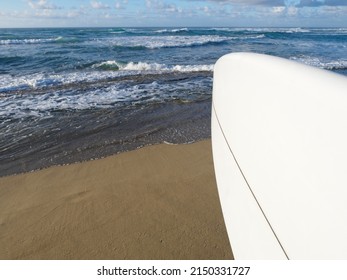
69	95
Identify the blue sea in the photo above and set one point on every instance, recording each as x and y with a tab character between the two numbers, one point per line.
69	95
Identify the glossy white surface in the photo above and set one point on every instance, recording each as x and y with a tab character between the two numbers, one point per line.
286	124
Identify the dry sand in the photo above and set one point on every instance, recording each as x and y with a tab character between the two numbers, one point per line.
158	202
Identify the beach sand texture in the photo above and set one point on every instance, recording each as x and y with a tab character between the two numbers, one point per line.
158	202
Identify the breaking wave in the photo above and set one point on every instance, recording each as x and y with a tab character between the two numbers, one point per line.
102	71
144	66
317	62
151	42
29	41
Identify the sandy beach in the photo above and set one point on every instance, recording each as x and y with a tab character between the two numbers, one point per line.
158	202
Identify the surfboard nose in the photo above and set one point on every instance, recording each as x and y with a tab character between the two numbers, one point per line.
279	148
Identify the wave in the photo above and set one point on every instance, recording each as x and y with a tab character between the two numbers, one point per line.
111	70
146	41
144	66
138	90
328	65
151	42
41	81
260	29
335	30
246	37
116	30
29	41
179	30
281	30
296	30
225	29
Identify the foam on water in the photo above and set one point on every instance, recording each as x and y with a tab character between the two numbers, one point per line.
29	41
265	30
113	69
43	80
144	66
151	42
297	30
103	95
321	63
177	30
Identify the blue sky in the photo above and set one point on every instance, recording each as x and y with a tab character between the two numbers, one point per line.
252	13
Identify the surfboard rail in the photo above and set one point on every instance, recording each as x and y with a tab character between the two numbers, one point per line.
279	140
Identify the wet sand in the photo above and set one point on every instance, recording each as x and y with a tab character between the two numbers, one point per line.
158	202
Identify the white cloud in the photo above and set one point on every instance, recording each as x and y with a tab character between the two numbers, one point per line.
46	13
121	4
76	12
42	4
149	3
278	9
250	2
336	10
291	3
276	3
173	13
292	11
163	7
99	5
206	9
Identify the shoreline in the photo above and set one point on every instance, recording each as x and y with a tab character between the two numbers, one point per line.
96	158
103	157
156	202
100	133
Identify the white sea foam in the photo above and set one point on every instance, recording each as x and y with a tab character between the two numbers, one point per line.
317	62
28	41
297	30
333	31
172	30
113	95
41	80
151	42
180	30
145	66
267	29
161	31
245	37
226	29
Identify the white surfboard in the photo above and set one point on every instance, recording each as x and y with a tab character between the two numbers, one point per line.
279	137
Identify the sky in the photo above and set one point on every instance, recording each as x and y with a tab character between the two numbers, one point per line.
175	13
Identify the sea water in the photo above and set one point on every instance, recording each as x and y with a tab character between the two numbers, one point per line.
70	95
